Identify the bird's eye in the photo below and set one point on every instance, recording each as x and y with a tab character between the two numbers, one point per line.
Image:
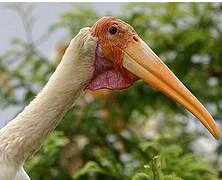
113	30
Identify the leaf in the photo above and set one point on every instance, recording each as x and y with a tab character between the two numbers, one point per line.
140	176
90	166
171	177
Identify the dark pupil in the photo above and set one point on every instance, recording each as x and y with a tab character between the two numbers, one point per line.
112	30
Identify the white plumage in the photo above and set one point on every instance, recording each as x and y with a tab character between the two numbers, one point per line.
24	135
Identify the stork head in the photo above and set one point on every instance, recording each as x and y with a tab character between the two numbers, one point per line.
122	57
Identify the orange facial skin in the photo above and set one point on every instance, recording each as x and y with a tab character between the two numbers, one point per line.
112	44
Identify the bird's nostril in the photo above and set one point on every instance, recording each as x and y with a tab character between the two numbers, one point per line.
135	38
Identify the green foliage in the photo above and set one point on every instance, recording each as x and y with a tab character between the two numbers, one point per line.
169	163
48	156
90	166
137	133
77	18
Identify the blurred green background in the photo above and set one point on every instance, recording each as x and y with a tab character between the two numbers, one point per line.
137	133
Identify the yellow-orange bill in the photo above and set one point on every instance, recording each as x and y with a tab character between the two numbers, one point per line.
140	60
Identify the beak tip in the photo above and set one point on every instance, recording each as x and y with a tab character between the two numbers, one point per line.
217	136
216	133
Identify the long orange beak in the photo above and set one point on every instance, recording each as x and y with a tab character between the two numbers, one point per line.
140	60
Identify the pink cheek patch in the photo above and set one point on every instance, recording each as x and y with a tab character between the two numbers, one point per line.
106	76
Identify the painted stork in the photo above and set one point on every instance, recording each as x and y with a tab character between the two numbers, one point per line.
108	55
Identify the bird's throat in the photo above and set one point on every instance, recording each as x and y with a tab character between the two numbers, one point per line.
107	75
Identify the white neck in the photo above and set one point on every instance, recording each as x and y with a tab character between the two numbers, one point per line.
24	135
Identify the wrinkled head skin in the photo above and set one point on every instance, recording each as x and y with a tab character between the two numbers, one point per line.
109	72
112	44
122	57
